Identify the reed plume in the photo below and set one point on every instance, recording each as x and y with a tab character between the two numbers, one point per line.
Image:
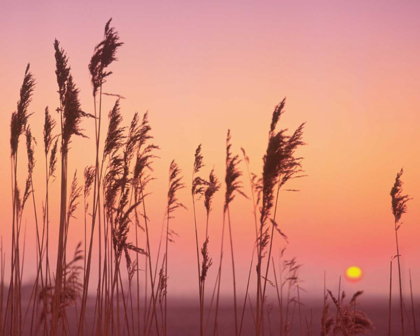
327	319
233	185
104	54
162	290
21	115
72	114
207	261
30	150
175	184
75	194
115	138
213	186
350	320
62	71
89	178
49	125
53	159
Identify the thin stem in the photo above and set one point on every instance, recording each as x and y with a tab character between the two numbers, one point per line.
399	279
412	305
390	298
233	272
198	264
219	278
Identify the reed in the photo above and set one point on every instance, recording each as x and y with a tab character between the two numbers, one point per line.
104	55
175	184
141	179
114	193
18	126
350	320
255	201
50	149
399	207
118	183
71	116
211	188
197	191
279	166
233	187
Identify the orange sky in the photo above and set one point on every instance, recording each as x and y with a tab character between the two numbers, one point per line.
349	70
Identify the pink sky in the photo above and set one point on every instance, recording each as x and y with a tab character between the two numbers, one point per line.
350	70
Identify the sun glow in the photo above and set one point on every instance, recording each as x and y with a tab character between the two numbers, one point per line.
354	273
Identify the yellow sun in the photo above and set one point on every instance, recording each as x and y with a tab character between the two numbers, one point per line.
354	273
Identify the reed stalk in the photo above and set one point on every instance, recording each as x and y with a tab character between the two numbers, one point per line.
390	299
412	306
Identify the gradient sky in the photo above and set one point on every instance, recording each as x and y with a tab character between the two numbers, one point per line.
349	69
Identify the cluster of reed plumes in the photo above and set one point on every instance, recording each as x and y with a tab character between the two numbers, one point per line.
114	196
348	320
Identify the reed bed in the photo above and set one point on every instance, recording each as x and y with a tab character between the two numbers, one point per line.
114	197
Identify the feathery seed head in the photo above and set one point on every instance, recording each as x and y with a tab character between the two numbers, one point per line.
207	261
399	201
104	54
278	111
49	125
212	187
279	165
72	114
349	320
20	117
62	70
232	174
162	285
198	183
89	176
175	184
53	159
75	193
30	149
198	160
115	137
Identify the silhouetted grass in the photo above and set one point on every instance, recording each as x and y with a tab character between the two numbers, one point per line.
114	194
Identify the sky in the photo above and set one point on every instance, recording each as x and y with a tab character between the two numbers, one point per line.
348	69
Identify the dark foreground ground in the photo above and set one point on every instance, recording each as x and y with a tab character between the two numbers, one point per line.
183	318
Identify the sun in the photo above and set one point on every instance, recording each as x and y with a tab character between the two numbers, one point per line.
354	274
